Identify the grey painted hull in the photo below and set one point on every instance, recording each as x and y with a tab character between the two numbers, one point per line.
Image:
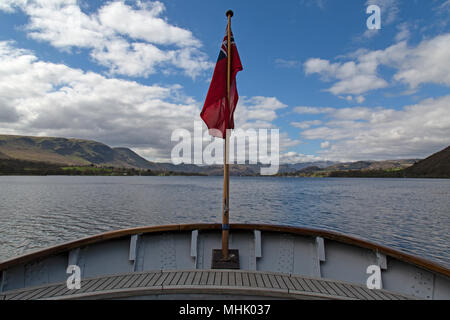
310	253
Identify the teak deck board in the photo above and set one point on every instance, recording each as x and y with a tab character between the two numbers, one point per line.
246	281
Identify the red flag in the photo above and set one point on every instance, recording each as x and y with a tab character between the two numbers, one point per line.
217	113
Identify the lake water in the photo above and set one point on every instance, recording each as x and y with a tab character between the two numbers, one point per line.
412	215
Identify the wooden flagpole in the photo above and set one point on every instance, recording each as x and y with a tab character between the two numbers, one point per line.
226	166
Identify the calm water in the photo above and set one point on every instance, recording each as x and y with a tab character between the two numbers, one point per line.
410	215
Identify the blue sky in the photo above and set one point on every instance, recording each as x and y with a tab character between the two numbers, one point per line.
127	73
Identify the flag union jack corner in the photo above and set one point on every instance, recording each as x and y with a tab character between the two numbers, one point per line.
217	111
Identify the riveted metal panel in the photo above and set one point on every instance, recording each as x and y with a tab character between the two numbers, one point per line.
36	273
14	278
167	253
42	271
286	254
408	279
277	253
105	258
306	259
347	263
182	246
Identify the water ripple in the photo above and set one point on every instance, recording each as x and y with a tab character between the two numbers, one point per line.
406	214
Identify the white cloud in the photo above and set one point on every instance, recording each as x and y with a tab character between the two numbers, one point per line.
287	63
312	110
360	99
294	157
425	63
257	112
11	5
325	145
132	41
55	100
47	99
306	124
404	32
353	77
364	133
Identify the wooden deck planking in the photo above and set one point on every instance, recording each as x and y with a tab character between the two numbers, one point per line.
366	294
161	277
281	282
239	279
225	279
168	279
211	278
110	282
265	280
232	279
302	285
204	278
45	293
252	278
36	292
175	279
139	280
340	290
197	278
355	292
183	278
151	279
288	283
243	280
217	278
325	286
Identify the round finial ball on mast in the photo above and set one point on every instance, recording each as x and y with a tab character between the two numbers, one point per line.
229	13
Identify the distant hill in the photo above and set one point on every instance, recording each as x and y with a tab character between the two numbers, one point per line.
71	152
3	156
78	152
435	166
373	165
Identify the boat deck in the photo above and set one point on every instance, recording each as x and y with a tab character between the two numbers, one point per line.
206	283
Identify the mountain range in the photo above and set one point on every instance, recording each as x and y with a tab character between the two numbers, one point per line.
78	152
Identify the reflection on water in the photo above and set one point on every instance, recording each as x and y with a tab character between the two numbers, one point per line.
412	215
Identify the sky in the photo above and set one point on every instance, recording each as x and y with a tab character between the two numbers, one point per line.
128	73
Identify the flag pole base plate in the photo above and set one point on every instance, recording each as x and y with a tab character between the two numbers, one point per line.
218	262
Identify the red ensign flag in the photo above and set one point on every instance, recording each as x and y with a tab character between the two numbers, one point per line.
217	112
